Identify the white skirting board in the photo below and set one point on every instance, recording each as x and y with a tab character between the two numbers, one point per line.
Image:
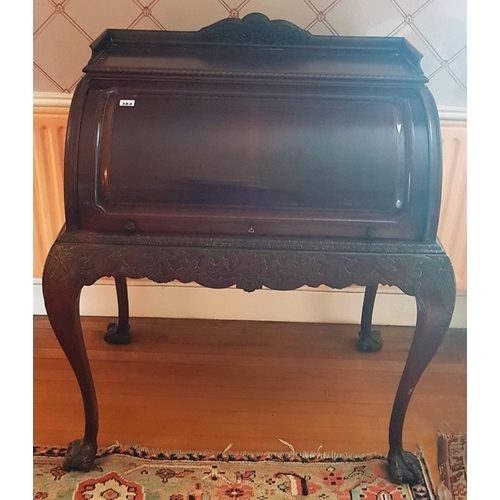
322	305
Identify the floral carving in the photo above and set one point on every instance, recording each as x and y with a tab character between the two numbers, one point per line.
250	269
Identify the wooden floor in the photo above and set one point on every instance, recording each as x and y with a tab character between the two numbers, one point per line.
197	384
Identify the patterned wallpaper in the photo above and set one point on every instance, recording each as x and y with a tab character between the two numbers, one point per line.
63	30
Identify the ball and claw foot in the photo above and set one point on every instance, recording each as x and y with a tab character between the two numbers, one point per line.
370	342
404	467
117	335
80	456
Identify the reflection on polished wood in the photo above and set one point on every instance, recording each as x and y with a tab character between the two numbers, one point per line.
199	384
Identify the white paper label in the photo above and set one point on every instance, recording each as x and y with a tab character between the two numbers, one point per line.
127	102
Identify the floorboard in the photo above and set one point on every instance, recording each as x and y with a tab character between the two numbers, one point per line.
204	384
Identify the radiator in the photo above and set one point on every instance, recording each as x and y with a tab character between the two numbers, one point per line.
49	130
452	229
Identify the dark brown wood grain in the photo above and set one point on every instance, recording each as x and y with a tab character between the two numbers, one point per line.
252	154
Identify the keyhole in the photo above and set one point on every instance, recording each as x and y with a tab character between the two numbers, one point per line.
129	226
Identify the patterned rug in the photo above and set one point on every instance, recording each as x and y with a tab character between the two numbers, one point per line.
133	473
452	460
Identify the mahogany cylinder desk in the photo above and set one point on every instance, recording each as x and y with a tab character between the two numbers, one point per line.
252	154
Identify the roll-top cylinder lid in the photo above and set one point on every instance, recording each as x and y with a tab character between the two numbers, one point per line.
253	126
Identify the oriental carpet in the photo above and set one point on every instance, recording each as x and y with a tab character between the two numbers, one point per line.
133	473
452	462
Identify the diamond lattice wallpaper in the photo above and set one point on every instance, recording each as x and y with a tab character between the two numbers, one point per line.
63	30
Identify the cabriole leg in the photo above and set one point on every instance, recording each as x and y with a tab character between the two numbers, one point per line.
120	333
369	340
434	311
62	295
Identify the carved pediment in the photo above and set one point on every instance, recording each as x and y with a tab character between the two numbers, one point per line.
254	29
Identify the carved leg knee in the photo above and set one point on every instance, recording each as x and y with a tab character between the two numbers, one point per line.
435	302
61	291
